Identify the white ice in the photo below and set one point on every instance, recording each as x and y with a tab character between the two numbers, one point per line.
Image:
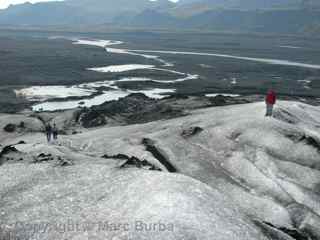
128	52
104	43
289	46
261	60
94	85
234	81
121	68
97	100
306	83
205	66
46	92
97	43
156	93
240	152
63	105
222	94
241	167
135	79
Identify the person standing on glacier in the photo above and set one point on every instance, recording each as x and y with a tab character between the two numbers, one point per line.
55	132
48	130
271	99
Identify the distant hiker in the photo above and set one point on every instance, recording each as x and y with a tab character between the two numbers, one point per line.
48	132
270	101
55	132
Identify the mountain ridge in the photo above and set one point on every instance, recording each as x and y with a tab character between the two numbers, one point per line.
298	16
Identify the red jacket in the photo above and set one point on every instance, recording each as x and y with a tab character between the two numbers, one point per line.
271	98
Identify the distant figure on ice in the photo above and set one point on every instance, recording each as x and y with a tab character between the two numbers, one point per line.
48	132
270	101
55	132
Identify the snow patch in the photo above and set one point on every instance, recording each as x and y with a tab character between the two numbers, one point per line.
205	66
252	59
128	52
41	93
222	94
156	93
121	68
289	46
64	105
305	81
97	43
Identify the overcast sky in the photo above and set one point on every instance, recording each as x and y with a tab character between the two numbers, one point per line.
6	3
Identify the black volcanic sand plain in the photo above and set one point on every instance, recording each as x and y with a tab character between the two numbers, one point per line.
30	58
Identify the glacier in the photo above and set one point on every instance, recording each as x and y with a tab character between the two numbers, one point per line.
226	173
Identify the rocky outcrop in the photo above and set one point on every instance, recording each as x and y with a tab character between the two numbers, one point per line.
133	162
13	124
135	108
10	128
7	150
43	157
10	153
138	108
305	220
92	118
277	233
63	162
151	147
221	100
191	131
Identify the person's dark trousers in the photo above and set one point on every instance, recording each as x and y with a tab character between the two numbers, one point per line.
269	110
48	136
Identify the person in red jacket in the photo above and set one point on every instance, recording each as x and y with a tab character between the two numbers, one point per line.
271	99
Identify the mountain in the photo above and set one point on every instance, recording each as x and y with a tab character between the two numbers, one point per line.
149	19
50	13
71	12
288	21
291	16
111	9
240	4
194	7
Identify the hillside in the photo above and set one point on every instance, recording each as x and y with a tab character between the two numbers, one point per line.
244	5
292	16
289	21
252	4
73	12
239	174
